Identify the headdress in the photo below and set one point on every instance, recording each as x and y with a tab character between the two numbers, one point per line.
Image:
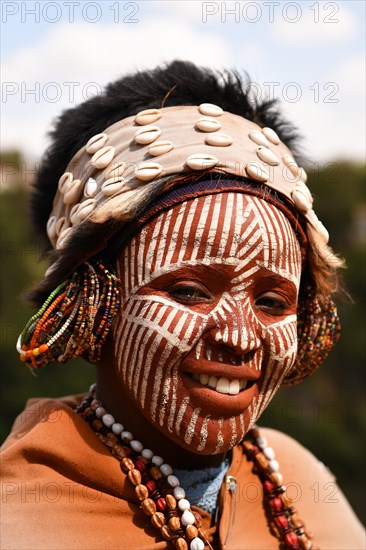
116	169
108	176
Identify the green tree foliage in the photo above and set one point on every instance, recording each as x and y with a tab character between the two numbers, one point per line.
326	412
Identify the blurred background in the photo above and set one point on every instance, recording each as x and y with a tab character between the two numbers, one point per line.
310	55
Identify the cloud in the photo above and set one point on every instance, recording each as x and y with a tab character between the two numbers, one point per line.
351	74
63	65
185	10
313	24
71	62
332	116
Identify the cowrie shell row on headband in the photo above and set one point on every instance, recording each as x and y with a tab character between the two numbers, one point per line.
105	175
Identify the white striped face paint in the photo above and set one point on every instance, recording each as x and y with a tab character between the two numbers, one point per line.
207	328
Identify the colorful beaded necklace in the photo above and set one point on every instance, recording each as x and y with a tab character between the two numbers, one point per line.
164	500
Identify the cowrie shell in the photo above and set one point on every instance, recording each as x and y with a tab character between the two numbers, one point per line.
288	159
207	124
300	185
51	228
147	171
312	218
271	135
294	169
148	116
60	225
73	216
201	161
259	138
63	237
66	178
112	186
102	157
267	156
117	170
112	180
147	134
256	171
300	201
322	232
91	188
292	165
210	109
219	140
160	148
86	208
72	191
304	176
95	143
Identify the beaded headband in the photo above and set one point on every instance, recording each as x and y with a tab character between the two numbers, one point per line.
114	168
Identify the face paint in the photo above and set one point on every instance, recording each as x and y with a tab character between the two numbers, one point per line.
207	328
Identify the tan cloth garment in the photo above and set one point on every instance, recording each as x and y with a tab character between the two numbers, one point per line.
61	489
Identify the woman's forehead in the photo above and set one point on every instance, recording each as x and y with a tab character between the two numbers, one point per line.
229	228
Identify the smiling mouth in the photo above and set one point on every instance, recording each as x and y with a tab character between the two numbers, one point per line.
222	384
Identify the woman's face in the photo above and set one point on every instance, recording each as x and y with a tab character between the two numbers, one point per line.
207	328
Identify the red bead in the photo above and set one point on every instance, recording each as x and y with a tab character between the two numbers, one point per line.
140	466
268	486
281	521
151	485
276	503
291	539
161	504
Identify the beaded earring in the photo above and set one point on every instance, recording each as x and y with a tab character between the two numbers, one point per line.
74	320
318	330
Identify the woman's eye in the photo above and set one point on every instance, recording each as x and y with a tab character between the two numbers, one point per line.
272	304
189	293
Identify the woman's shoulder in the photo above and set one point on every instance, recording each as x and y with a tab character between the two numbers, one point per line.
292	454
315	493
38	411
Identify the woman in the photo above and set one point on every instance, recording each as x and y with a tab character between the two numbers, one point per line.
189	265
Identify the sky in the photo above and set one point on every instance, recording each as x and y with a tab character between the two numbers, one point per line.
308	54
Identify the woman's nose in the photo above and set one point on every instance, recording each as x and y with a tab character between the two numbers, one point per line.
236	327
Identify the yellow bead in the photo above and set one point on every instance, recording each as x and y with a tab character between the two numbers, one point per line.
36	351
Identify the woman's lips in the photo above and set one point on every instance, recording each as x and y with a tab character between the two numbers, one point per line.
222	384
217	369
231	388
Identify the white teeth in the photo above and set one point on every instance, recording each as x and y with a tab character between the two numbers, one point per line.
222	384
234	387
203	378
